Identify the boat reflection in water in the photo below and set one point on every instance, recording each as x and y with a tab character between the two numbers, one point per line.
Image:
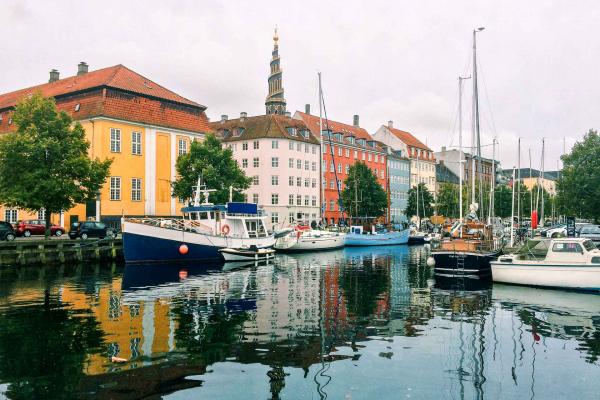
355	322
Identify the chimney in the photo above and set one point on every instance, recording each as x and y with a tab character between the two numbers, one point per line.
224	118
54	76
443	149
82	68
243	115
307	109
355	121
288	114
390	124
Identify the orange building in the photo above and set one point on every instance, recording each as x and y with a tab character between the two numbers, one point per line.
342	146
138	123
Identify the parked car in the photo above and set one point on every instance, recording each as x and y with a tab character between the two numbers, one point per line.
7	231
88	229
37	227
591	232
557	231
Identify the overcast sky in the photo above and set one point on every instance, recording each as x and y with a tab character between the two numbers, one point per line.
383	60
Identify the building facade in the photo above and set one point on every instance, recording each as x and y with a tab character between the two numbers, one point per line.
282	157
484	167
422	161
141	125
398	173
343	145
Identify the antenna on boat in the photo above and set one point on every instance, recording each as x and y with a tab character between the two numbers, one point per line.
200	189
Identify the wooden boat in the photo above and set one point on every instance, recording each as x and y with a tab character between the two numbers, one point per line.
251	253
381	237
571	263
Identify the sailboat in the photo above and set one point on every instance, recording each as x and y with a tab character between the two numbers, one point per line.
303	238
472	245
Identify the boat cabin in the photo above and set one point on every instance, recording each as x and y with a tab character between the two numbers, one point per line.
563	250
234	219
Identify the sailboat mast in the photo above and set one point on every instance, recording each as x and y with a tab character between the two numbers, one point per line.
512	211
323	167
475	112
519	185
492	182
542	181
460	151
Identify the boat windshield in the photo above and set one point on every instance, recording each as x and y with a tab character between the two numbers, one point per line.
589	245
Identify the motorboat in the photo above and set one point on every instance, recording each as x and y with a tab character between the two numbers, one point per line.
204	229
571	263
251	253
377	237
306	239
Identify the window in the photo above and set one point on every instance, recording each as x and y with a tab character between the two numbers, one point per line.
314	149
306	165
291	200
383	176
314	183
245	146
255	198
291	216
255	162
115	140
291	130
331	166
299	164
339	151
331	205
324	183
275	162
11	215
567	248
136	189
115	188
291	181
298	200
291	145
274	199
347	152
136	143
274	144
255	145
376	158
314	201
298	181
306	200
355	153
274	218
274	180
340	185
332	184
237	132
306	182
41	214
255	180
244	163
298	146
313	166
363	156
339	168
370	156
324	149
306	148
291	163
347	168
182	146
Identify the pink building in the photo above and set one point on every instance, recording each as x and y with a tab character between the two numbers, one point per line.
281	156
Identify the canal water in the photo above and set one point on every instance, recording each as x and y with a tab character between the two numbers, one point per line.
357	323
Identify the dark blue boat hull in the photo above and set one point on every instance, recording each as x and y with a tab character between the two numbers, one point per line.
138	249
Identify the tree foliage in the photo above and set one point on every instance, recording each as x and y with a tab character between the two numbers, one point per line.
447	200
45	163
363	196
425	202
578	188
215	164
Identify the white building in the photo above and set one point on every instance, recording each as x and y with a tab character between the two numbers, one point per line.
422	160
282	157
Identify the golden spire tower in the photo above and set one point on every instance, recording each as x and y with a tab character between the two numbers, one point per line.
275	103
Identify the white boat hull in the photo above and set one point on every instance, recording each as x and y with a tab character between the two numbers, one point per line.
571	276
310	243
247	256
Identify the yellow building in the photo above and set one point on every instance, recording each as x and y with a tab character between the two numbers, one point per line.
141	125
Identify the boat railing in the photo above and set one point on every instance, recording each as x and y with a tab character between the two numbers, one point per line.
179	224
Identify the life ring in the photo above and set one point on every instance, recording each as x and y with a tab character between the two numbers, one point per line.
225	229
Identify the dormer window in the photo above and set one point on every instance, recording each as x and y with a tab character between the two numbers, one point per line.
291	130
237	132
371	143
304	133
361	142
326	134
224	132
351	139
338	136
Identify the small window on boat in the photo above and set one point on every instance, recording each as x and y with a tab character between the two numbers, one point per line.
595	260
589	245
567	248
203	215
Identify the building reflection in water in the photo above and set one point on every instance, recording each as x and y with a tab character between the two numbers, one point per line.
305	312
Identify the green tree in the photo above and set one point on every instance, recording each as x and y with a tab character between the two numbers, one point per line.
425	202
447	200
363	196
579	184
45	163
215	164
503	201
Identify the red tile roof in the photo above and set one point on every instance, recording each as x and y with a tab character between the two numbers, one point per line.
115	92
118	77
407	138
312	121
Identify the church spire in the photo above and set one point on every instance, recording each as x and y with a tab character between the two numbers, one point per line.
275	103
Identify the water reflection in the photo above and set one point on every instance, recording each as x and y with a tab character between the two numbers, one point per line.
356	322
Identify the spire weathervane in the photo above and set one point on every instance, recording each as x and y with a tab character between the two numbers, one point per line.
275	102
